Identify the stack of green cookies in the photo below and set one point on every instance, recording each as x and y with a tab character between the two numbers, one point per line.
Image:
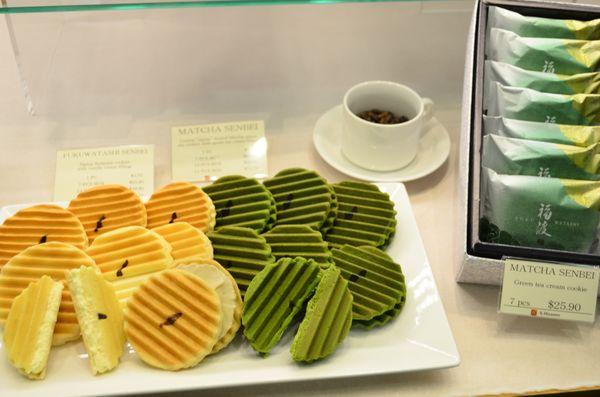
319	258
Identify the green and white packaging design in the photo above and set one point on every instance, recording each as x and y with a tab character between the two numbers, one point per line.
531	105
522	157
562	56
578	135
526	26
509	75
539	212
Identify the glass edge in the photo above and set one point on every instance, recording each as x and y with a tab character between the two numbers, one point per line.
5	9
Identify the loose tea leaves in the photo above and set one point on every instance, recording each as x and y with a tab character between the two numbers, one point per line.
381	117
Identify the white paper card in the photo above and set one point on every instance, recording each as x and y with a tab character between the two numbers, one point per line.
551	290
207	152
80	169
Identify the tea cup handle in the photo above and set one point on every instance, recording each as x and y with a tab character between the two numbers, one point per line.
428	109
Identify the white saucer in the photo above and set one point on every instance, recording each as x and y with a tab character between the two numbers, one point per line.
434	149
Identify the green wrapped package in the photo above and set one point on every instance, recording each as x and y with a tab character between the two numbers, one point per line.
560	56
552	83
241	201
578	135
539	212
375	280
327	320
523	157
531	105
290	241
527	26
366	216
242	252
273	299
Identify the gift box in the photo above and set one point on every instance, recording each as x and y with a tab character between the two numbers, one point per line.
479	261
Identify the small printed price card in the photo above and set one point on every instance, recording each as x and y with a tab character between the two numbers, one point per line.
80	169
551	290
206	152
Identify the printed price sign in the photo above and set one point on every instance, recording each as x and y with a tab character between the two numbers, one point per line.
551	290
206	152
80	169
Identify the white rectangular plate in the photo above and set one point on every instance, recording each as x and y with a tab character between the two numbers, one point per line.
419	339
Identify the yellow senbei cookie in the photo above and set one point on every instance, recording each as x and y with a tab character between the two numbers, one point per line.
186	241
50	259
39	224
100	317
228	305
181	202
128	256
108	207
173	320
30	325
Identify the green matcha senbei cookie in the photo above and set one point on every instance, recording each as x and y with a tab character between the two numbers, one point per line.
242	252
327	320
290	241
382	319
375	280
274	297
365	216
303	197
242	201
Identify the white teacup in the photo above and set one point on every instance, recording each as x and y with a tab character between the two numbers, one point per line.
383	147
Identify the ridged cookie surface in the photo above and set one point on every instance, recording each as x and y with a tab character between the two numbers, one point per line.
273	299
298	240
39	224
128	256
303	197
173	320
100	317
186	241
181	202
375	280
50	259
108	207
242	201
226	339
30	325
365	216
242	252
327	320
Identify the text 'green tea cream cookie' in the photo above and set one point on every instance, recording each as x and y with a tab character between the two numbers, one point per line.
273	299
242	252
566	134
527	26
375	280
241	201
198	267
128	256
543	54
552	83
100	317
290	241
303	197
539	212
366	216
327	320
30	326
531	105
186	241
522	157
